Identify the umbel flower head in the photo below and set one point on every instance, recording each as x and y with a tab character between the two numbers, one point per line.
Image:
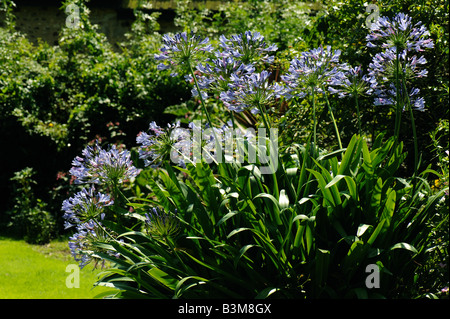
85	205
181	51
247	47
161	224
382	72
313	69
80	243
100	166
161	144
399	33
250	92
84	211
351	82
216	74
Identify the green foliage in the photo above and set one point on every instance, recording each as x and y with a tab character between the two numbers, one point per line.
69	93
313	239
55	99
281	21
29	216
308	230
343	25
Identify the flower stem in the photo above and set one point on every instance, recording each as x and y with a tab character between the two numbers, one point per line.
398	111
358	113
332	117
413	125
262	110
202	102
314	115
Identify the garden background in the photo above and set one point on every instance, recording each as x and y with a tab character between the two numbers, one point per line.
57	98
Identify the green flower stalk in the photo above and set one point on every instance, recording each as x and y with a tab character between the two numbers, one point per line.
161	225
399	37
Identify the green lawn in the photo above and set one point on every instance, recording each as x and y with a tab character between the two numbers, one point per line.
39	272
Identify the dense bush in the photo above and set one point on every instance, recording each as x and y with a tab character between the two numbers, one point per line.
29	217
54	100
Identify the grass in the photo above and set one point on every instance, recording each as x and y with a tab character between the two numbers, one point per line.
39	272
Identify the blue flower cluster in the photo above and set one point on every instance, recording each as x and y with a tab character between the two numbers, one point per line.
247	47
399	33
100	166
313	69
351	82
82	211
84	206
97	166
181	50
250	91
162	144
398	37
230	73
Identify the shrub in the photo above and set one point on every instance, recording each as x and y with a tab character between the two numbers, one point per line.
29	217
56	99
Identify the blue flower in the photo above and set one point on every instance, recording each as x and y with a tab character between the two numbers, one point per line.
181	50
249	92
382	72
399	33
248	47
161	144
100	166
216	74
351	82
79	242
313	69
84	206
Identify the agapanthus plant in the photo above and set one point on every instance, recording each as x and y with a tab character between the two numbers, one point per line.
399	37
251	92
84	206
84	211
248	47
312	72
394	67
352	82
383	72
100	166
216	74
159	145
80	243
313	69
182	51
399	32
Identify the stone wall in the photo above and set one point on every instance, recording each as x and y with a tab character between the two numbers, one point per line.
45	22
44	19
